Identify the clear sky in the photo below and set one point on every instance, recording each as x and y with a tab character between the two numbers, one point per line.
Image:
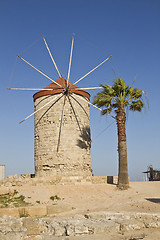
127	29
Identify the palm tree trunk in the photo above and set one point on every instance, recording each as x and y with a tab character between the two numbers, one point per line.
123	182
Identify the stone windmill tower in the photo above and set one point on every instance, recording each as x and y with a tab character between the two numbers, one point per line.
62	131
62	125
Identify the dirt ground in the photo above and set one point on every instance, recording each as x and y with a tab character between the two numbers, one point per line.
82	199
140	197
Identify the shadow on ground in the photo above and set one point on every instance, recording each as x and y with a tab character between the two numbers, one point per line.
154	200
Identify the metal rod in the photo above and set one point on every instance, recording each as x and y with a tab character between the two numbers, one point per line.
28	89
104	129
88	102
70	59
59	137
93	69
94	105
39	109
51	57
39	71
87	88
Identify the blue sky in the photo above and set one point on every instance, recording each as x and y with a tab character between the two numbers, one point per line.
127	29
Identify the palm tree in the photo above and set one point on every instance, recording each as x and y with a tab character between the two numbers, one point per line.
116	100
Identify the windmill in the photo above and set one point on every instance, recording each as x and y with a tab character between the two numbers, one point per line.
62	124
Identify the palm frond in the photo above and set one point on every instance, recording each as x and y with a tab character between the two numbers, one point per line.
137	105
120	86
137	93
146	97
120	95
107	111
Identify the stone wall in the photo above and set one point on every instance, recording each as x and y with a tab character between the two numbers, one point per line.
62	180
73	155
90	224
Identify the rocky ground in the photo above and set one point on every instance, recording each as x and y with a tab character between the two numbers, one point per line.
82	200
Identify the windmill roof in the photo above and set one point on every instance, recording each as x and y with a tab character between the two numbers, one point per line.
57	89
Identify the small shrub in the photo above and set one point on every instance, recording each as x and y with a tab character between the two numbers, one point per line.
55	197
38	202
15	192
10	200
20	198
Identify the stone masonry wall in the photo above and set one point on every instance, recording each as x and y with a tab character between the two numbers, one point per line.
73	157
55	180
47	228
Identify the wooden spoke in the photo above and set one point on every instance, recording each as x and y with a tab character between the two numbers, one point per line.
39	71
51	57
87	88
39	109
93	105
31	89
60	128
93	69
70	59
88	102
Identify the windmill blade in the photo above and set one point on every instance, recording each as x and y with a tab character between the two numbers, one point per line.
60	128
70	59
87	88
76	112
39	71
31	89
39	109
80	106
93	105
88	102
93	69
51	57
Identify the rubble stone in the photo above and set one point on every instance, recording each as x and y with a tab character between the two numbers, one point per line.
57	228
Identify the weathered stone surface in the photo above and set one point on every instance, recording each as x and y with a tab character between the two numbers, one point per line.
52	180
53	209
16	225
33	227
81	229
38	237
12	236
70	229
33	211
61	228
73	156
